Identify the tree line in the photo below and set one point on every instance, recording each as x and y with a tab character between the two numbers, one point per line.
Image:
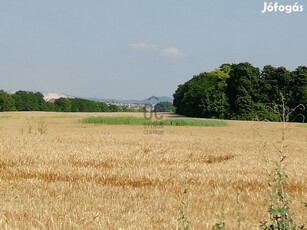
34	101
242	91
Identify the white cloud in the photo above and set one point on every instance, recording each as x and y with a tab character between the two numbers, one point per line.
172	52
142	46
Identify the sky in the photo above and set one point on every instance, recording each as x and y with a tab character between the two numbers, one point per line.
132	49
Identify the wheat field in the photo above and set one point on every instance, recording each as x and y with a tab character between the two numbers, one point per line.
59	173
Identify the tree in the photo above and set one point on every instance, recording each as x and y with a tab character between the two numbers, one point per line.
62	104
83	105
164	106
115	108
274	82
50	106
102	107
299	93
188	97
243	90
203	95
42	104
216	103
7	102
29	101
178	98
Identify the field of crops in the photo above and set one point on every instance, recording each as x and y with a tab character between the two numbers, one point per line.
57	172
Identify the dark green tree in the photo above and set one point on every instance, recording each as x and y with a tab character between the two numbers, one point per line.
62	104
102	107
115	108
273	83
239	91
84	105
164	106
188	97
178	98
203	95
243	90
50	106
42	104
29	101
7	102
299	94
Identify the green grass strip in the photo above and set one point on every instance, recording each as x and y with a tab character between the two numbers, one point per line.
129	120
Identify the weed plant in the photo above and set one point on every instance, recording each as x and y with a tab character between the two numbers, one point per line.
42	127
184	223
279	210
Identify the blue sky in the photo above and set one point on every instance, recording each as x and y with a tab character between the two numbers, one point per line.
126	49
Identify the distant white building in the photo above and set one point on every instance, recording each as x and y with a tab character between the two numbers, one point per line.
51	97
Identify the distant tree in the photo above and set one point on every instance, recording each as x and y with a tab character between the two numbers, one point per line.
62	105
179	96
164	106
84	105
50	106
141	109
127	109
243	90
204	95
29	101
299	92
102	107
216	103
273	83
114	108
42	104
79	105
188	97
7	102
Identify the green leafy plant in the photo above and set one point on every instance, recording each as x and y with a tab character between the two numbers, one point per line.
219	226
